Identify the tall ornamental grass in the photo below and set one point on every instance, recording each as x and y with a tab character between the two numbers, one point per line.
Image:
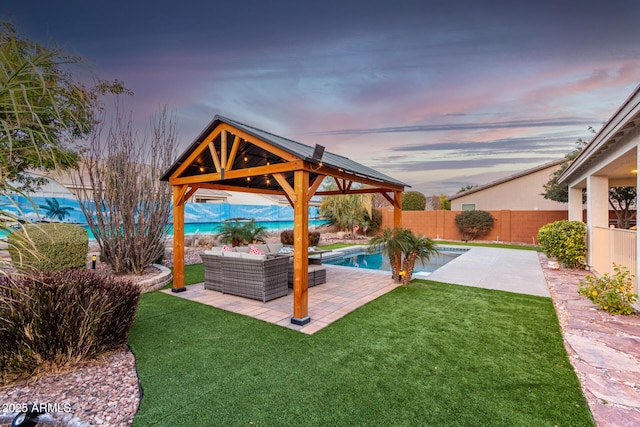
49	320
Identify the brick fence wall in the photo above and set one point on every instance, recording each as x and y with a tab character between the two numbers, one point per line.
509	226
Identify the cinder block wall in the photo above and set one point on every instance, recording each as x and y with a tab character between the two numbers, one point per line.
509	226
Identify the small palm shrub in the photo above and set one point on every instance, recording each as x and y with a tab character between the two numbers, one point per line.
565	241
53	319
417	247
52	246
612	293
286	237
474	224
394	242
242	233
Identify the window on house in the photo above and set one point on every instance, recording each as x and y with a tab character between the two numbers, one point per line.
468	206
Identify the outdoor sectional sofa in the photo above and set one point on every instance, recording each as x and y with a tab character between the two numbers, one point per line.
261	277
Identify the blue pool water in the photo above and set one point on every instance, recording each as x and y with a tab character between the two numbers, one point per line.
380	261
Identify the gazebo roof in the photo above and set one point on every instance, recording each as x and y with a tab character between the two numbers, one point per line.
249	155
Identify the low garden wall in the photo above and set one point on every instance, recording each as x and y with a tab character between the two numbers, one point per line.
509	226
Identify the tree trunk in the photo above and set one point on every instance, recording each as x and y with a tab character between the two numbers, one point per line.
407	266
394	268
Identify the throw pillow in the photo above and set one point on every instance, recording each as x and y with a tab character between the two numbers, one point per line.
226	248
253	250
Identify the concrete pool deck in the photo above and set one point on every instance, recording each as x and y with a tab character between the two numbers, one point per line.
500	269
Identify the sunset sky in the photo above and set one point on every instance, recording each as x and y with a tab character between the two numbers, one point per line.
436	94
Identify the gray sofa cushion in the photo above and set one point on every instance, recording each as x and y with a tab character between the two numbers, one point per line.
274	247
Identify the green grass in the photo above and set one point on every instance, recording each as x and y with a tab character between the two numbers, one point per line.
426	354
489	245
333	246
193	273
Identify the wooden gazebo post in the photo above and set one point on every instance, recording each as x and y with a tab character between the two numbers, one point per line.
397	219
301	249
178	238
397	208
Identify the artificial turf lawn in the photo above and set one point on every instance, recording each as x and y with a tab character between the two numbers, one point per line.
193	273
424	354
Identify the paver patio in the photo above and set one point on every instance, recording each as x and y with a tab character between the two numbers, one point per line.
346	289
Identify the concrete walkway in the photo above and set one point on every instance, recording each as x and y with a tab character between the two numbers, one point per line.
494	268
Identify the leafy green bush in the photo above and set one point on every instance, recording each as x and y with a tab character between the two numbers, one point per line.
413	201
53	246
474	224
612	293
52	319
565	241
286	237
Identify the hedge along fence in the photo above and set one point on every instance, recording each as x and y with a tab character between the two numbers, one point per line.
566	241
53	246
52	319
510	226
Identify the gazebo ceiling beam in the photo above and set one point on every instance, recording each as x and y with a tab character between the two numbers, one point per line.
195	153
366	190
239	173
285	155
313	188
339	173
288	189
222	187
234	152
191	191
389	198
214	156
223	149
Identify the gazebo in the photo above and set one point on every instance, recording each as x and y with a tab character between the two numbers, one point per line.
233	156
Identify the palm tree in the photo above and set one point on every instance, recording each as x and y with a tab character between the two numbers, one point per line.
238	233
255	233
394	243
54	210
417	247
347	210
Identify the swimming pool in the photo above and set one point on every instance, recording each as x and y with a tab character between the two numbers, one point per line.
359	257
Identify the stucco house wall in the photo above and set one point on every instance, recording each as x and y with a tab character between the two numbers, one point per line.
516	192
